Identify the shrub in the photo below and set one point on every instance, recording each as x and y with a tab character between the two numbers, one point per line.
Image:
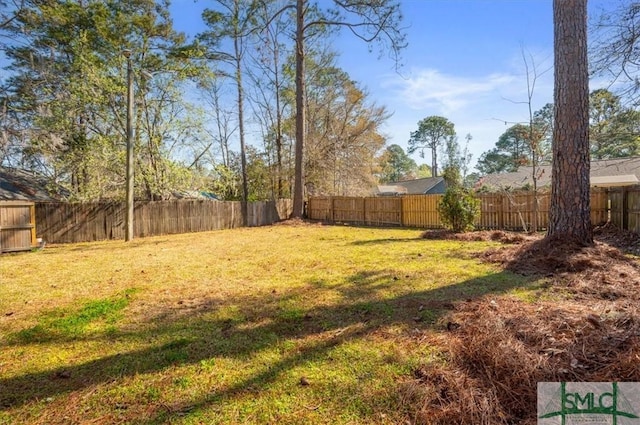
458	209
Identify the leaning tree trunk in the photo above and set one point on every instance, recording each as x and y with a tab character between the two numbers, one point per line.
569	215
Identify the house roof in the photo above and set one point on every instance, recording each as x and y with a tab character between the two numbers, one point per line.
21	185
389	189
517	179
195	194
604	173
412	187
614	181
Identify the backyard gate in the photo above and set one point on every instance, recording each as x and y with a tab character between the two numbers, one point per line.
17	226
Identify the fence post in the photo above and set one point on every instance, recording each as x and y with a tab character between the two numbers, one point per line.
331	210
625	208
32	221
364	211
500	211
608	207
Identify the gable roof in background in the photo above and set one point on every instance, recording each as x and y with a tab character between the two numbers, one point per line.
390	190
21	185
427	185
604	173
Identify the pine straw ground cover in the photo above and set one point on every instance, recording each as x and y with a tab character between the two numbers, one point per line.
311	324
582	325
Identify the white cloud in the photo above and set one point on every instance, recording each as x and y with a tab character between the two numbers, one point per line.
434	90
484	106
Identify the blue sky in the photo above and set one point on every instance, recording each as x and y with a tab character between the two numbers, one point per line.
464	62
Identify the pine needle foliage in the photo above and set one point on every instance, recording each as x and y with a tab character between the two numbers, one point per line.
459	208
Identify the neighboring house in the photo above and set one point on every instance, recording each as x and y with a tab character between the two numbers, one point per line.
20	185
195	194
425	186
604	173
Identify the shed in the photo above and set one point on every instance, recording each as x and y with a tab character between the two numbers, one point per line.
17	226
19	190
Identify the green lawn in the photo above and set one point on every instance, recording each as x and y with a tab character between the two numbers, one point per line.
282	325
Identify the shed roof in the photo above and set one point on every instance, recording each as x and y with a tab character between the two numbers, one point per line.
21	185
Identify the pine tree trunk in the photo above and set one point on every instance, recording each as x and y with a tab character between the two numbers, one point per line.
434	160
240	88
569	215
298	187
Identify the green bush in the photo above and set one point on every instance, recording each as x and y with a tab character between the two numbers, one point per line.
459	209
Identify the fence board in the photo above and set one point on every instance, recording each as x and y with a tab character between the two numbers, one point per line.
86	222
17	226
421	211
383	211
632	197
518	211
616	207
599	207
319	208
348	210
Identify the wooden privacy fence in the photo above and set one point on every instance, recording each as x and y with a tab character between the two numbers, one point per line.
86	222
625	207
17	226
507	211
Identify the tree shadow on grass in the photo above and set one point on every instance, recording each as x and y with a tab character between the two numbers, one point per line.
360	305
